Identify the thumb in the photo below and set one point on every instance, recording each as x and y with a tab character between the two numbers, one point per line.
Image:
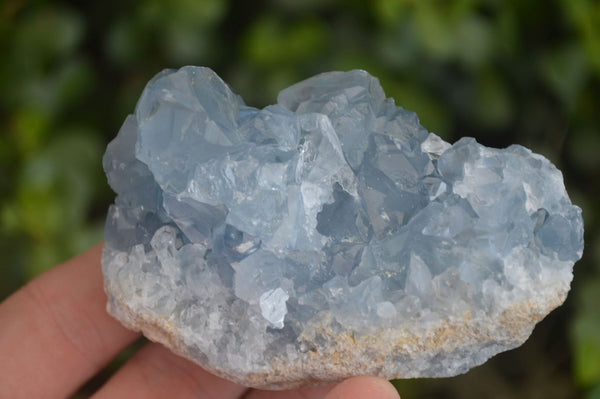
363	388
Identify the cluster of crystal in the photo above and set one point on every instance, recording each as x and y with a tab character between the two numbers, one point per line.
328	235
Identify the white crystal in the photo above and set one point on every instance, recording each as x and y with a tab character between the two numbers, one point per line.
272	306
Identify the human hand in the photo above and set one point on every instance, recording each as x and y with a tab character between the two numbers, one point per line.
55	334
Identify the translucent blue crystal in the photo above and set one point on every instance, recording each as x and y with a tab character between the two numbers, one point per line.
328	235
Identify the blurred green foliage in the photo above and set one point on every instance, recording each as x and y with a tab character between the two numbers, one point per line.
513	71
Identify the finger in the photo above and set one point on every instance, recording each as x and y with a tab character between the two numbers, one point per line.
363	388
303	393
55	333
155	372
353	388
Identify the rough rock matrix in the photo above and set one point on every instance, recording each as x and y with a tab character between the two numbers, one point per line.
326	236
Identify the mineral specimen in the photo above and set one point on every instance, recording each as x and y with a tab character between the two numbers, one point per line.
326	236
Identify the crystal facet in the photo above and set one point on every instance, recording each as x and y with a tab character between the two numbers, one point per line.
327	235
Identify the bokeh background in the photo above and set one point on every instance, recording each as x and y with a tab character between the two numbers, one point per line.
513	71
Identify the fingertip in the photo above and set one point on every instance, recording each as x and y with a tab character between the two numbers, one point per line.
363	387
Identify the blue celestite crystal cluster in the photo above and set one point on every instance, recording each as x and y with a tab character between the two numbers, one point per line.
328	235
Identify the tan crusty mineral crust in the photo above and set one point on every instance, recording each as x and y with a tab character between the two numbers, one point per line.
347	355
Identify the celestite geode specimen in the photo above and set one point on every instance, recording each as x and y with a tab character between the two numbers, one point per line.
328	235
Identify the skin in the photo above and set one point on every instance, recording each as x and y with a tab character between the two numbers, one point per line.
55	334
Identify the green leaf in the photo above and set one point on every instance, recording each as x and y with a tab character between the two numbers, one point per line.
435	31
474	40
271	42
388	12
48	33
492	103
585	16
585	334
57	186
30	127
593	393
565	70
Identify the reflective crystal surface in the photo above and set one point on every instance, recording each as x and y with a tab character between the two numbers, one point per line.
327	235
